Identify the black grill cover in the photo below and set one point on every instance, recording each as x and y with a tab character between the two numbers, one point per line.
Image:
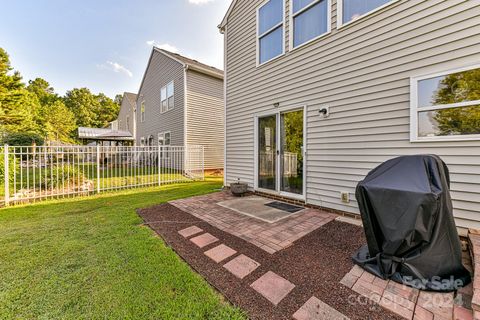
407	215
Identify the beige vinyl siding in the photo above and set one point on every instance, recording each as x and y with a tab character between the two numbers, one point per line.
205	116
160	71
127	109
362	71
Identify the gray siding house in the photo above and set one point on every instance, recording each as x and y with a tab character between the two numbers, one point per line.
180	102
126	116
320	92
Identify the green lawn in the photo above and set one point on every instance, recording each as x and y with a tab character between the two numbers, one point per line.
90	258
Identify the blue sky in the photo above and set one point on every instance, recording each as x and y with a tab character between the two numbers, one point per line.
105	44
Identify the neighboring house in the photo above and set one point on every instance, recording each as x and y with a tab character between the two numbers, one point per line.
180	102
126	116
334	88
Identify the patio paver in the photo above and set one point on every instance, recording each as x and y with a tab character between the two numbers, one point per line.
315	309
190	231
220	253
241	266
408	302
273	287
270	237
204	240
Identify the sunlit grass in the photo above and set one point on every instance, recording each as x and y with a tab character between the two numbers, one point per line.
91	258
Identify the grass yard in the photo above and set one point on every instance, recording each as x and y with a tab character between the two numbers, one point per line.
90	258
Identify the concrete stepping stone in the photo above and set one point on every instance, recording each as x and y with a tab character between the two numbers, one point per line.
273	287
315	309
190	231
204	240
220	253
241	266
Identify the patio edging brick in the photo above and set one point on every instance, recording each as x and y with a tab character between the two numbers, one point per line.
405	301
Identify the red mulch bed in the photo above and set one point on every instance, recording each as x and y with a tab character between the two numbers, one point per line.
315	264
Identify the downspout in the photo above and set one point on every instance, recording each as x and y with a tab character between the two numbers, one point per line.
185	106
224	32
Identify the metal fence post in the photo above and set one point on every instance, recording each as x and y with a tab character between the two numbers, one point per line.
7	175
98	169
159	171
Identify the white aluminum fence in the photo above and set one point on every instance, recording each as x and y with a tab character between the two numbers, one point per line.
50	172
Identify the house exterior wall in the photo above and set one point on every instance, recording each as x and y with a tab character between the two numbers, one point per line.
160	71
127	109
205	116
362	72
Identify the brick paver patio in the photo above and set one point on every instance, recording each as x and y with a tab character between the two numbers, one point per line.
408	302
271	237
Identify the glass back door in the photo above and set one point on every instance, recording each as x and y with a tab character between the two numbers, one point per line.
280	152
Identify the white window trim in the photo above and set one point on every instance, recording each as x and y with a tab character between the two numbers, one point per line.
292	27
166	92
414	109
340	22
162	134
258	35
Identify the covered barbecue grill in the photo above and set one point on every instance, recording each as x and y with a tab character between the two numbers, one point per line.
411	234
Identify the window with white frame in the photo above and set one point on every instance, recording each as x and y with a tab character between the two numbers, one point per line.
446	106
310	19
167	97
142	112
164	141
270	37
166	138
350	10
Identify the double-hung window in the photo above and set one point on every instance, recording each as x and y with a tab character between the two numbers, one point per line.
167	97
446	106
142	112
350	10
270	34
310	19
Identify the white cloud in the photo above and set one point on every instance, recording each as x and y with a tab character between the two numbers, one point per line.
164	46
200	2
116	67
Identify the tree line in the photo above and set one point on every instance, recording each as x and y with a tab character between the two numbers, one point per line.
33	113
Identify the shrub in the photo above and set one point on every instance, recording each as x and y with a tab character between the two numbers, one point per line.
57	176
22	139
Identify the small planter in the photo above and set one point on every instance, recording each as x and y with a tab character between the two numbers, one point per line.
238	189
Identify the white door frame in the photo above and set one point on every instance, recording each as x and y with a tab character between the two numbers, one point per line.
277	112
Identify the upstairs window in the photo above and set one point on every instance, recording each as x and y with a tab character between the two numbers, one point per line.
446	106
167	97
350	10
270	41
142	112
310	19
